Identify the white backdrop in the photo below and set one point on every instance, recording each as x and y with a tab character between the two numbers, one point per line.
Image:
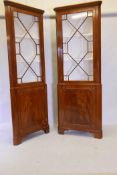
109	59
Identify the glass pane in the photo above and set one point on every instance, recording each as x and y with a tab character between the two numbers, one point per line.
27	48
21	66
69	65
78	46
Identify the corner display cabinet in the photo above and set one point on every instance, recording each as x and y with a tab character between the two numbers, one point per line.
79	68
27	70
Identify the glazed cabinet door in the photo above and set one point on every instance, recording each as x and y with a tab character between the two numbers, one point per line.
79	67
26	69
77	31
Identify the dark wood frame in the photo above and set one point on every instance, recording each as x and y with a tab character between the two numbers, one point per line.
95	87
37	91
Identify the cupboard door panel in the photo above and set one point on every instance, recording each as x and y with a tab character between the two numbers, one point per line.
78	106
30	109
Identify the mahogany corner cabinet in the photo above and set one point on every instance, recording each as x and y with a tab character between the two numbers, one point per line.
26	69
79	68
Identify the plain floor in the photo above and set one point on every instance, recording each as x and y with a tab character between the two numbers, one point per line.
75	153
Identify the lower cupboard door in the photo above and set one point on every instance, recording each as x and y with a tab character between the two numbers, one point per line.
29	111
79	108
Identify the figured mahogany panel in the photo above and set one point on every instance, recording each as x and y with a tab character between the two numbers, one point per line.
79	107
30	109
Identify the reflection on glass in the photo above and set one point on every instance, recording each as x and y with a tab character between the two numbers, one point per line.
27	48
78	46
